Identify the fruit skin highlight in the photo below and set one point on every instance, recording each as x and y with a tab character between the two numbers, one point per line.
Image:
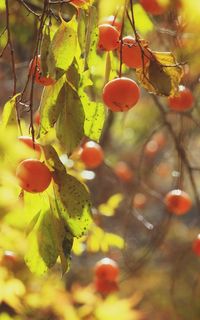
92	155
106	269
178	202
33	175
183	101
106	276
132	54
121	94
108	37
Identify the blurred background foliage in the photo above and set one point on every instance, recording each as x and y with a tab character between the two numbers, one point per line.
159	272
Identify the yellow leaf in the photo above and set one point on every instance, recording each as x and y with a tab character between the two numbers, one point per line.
161	75
108	208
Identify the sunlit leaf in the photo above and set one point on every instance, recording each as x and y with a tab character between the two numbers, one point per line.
42	253
9	116
2	5
50	106
108	208
94	116
99	240
63	48
161	75
142	20
113	308
64	239
70	124
71	196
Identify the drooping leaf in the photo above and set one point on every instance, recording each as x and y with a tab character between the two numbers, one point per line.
50	106
70	124
63	48
161	75
9	116
64	239
42	250
71	196
46	41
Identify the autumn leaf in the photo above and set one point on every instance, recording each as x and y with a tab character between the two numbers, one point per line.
161	75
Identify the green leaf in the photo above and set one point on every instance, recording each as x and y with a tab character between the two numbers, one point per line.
9	116
70	124
63	48
50	106
92	39
94	116
42	250
46	41
64	239
142	20
71	196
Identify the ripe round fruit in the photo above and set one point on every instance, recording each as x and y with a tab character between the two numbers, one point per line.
29	143
178	202
196	245
105	287
139	201
108	37
183	101
153	7
9	258
123	171
132	55
106	269
121	94
45	81
92	154
113	21
34	176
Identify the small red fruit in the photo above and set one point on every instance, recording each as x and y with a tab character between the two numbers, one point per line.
78	3
196	245
121	94
178	202
113	21
139	201
9	258
105	287
92	154
45	81
34	176
123	171
108	37
132	54
183	101
29	143
106	269
153	7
